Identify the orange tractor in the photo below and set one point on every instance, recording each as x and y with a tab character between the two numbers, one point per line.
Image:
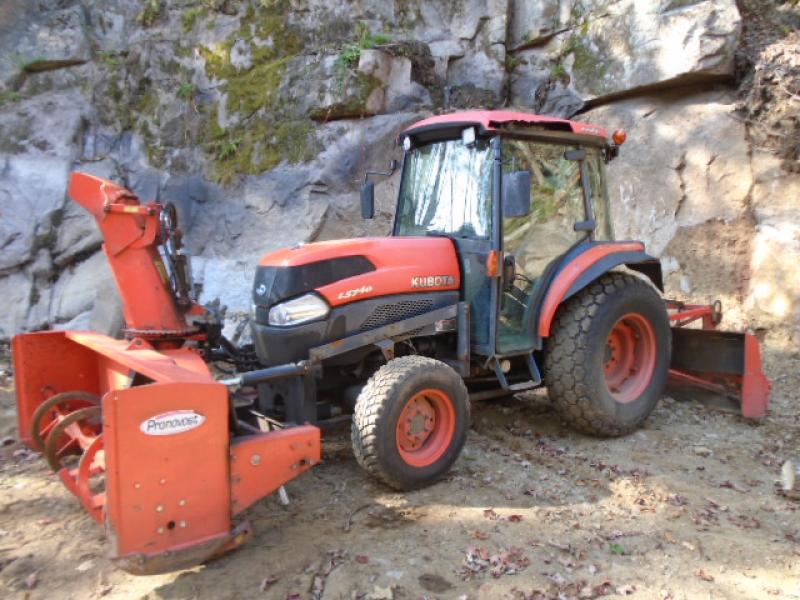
501	275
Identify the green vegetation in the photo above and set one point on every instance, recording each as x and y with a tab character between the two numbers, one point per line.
559	72
112	58
616	548
30	65
257	146
512	62
9	96
186	91
151	10
351	53
190	17
354	104
261	140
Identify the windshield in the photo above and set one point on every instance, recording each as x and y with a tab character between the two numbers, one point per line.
447	190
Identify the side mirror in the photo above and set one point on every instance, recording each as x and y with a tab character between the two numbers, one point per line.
516	194
368	200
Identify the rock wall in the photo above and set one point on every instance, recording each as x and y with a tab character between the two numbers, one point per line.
258	118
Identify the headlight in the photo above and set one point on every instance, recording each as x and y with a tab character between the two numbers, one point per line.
300	310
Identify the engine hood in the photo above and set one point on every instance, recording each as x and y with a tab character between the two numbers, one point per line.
344	271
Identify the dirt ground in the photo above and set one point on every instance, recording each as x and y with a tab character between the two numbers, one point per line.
685	508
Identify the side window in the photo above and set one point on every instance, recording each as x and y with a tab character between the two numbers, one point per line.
600	203
556	204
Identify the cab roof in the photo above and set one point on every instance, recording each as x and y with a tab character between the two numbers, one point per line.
492	120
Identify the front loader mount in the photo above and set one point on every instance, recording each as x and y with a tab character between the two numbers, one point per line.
138	429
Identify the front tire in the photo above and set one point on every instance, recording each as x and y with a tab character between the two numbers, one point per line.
410	422
607	360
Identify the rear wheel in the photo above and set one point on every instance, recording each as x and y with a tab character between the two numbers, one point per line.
607	359
410	422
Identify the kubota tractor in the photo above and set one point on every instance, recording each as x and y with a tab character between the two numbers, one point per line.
501	274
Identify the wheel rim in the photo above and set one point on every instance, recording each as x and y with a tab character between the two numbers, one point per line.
630	357
426	427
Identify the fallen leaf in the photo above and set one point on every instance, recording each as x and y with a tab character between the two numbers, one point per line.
84	566
31	580
515	518
360	558
379	593
745	521
733	486
480	535
268	581
703	575
625	590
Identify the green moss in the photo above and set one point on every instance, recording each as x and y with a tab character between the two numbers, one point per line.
359	88
257	88
113	59
257	146
559	72
186	91
150	12
351	53
191	16
512	62
592	63
9	96
262	137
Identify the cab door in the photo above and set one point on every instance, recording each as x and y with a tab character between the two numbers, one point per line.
537	240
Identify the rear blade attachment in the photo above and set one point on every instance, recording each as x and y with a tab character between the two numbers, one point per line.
720	368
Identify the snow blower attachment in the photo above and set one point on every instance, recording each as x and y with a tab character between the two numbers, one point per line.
161	459
720	368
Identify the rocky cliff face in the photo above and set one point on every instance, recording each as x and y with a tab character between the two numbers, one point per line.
258	118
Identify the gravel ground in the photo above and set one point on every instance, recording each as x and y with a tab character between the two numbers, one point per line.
685	508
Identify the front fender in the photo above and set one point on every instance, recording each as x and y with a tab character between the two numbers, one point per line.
586	267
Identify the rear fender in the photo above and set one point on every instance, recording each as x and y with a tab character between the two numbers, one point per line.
588	266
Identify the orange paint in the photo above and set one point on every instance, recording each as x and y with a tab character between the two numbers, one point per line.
569	275
491	120
130	231
402	266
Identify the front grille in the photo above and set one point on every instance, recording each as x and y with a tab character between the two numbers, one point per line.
397	311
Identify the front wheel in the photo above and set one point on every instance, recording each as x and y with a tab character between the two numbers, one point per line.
410	422
606	362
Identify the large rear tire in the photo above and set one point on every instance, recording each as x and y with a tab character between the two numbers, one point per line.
607	359
410	422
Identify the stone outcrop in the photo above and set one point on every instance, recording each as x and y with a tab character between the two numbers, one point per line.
258	118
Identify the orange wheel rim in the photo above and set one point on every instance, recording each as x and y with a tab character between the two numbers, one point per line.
630	357
426	427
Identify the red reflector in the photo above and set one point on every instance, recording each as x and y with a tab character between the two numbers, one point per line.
619	137
493	263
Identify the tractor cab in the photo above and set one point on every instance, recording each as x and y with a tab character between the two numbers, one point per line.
516	193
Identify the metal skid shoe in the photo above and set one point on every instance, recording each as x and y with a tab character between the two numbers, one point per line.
155	463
